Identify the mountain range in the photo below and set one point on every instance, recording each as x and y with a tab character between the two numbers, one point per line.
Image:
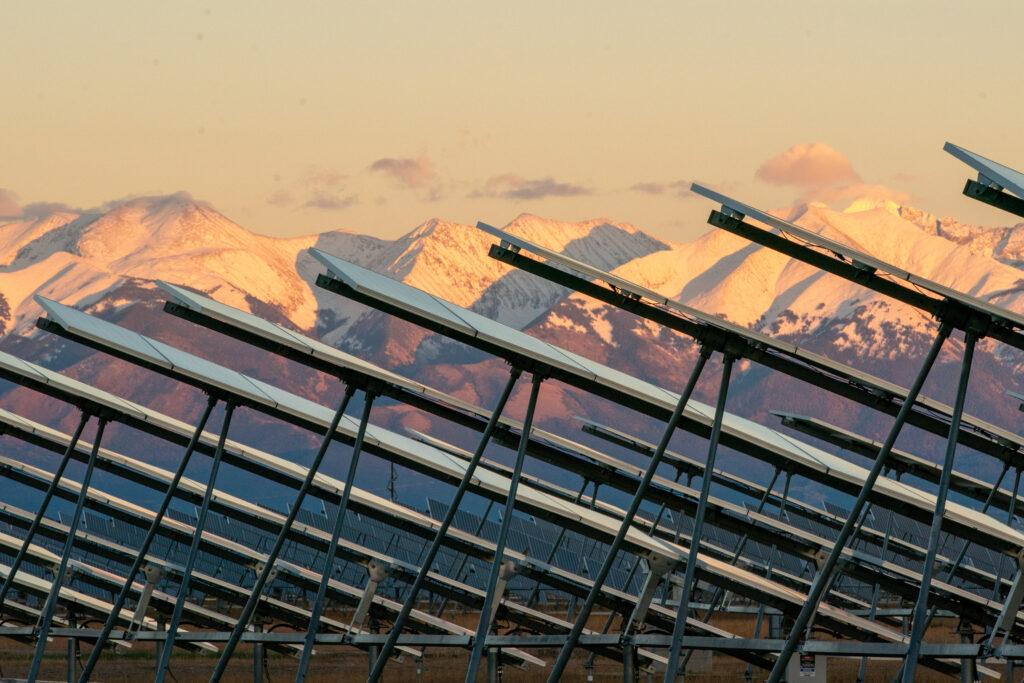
107	261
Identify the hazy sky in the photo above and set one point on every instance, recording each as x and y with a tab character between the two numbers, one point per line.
300	117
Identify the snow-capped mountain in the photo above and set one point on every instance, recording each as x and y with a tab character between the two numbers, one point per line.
106	262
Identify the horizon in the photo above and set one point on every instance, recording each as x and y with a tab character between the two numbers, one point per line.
296	123
852	205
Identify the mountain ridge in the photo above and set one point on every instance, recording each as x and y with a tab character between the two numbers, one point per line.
106	263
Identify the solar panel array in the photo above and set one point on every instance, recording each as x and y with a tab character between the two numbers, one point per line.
533	553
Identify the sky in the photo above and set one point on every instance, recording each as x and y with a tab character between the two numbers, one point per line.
301	117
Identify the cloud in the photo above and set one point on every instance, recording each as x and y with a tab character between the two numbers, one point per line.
330	201
808	165
281	198
515	187
680	188
318	188
409	172
9	206
824	174
39	209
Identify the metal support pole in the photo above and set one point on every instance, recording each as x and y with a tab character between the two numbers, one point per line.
259	657
558	668
997	585
636	565
377	668
862	670
372	656
628	663
823	577
690	577
967	665
720	592
492	665
332	548
1008	615
43	628
483	627
718	598
151	533
951	572
921	608
41	512
193	551
282	536
159	645
72	649
758	621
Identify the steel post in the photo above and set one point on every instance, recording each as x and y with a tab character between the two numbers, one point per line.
492	666
332	548
690	576
862	670
484	625
719	594
151	533
259	657
377	668
558	668
951	572
1011	511
43	628
921	608
282	536
628	663
824	575
72	650
193	551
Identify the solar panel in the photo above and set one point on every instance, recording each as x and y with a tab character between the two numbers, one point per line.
360	500
998	314
238	553
753	438
1005	176
233	319
901	460
823	373
434	462
245	510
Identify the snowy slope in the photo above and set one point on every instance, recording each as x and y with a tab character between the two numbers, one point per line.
75	257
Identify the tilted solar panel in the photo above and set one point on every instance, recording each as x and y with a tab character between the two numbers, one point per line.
636	393
1009	178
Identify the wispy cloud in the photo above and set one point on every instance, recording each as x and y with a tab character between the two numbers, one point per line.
679	188
330	201
409	172
10	207
281	198
319	188
518	188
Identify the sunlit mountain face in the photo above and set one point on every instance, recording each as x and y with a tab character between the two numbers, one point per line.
106	263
